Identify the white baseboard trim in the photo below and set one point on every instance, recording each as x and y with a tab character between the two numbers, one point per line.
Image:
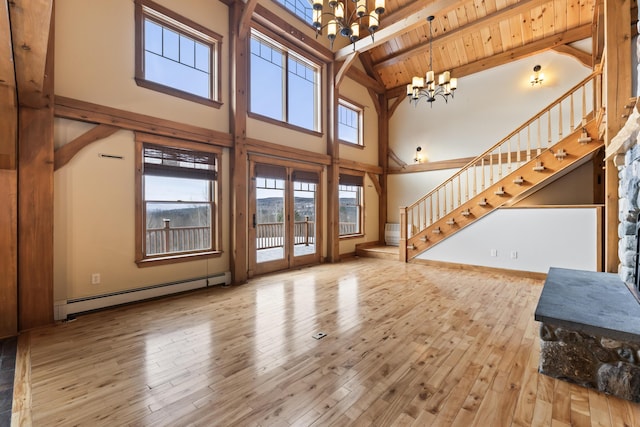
64	308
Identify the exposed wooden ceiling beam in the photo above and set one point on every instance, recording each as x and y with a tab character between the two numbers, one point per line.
245	19
7	73
30	22
362	78
346	65
402	26
585	58
576	34
460	32
367	63
535	47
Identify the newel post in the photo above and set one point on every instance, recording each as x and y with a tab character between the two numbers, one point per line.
402	249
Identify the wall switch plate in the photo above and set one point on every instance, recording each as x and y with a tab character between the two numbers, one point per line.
95	279
514	254
494	252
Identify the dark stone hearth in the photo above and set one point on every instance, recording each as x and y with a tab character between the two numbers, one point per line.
590	332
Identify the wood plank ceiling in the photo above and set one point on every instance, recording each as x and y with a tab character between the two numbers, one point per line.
472	35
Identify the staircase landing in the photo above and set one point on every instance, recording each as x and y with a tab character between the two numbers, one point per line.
378	251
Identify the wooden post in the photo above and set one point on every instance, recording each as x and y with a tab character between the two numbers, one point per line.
618	90
333	172
402	249
35	166
8	188
166	232
383	161
238	63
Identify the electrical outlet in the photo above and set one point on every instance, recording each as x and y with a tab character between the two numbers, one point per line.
494	252
514	254
95	279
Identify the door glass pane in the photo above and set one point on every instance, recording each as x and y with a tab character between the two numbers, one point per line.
270	216
304	211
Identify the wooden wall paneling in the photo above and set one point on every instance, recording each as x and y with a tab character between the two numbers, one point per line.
617	78
8	183
238	64
333	170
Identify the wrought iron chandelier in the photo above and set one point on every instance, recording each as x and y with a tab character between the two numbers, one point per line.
426	87
345	18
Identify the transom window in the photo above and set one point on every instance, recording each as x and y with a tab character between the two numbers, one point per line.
178	193
350	205
176	56
284	84
301	8
350	122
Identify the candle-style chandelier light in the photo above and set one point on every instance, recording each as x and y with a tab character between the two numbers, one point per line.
426	87
345	18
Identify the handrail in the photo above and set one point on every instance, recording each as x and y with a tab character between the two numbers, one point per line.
429	208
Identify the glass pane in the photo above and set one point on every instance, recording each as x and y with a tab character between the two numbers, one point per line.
267	85
160	188
203	53
302	95
187	51
348	124
152	37
349	212
304	210
270	224
173	74
177	227
170	40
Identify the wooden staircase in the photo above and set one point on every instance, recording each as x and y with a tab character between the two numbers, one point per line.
507	171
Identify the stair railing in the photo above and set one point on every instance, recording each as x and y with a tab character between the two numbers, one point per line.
542	131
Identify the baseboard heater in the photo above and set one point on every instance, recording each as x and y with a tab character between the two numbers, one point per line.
64	309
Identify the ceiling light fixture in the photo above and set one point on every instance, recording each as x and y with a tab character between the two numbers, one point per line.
537	77
345	18
426	87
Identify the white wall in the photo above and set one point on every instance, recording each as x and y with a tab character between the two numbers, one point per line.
540	237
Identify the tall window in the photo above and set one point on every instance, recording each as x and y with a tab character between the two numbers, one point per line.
178	209
284	85
175	55
350	122
350	205
301	8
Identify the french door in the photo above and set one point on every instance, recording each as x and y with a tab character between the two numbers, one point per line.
284	229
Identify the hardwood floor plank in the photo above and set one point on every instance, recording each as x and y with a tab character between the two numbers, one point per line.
406	345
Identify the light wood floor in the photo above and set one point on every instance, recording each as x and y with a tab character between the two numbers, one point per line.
406	345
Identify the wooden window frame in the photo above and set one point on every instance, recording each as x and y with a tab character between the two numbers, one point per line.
360	232
184	26
287	49
141	258
354	106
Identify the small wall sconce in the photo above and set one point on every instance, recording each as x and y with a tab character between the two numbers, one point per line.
537	77
418	157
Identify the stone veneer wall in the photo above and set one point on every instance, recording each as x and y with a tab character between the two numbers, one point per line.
607	365
629	208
